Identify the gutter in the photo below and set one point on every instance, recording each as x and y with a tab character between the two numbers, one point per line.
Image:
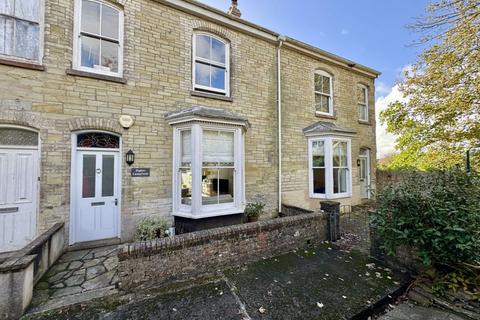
280	40
217	16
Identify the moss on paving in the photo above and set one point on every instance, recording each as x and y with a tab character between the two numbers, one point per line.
312	284
320	283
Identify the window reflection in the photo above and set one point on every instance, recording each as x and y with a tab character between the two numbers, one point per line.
211	63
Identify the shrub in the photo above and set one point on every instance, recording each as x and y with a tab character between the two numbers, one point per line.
254	209
151	228
437	213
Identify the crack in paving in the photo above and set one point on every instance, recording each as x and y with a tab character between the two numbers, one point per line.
316	283
240	303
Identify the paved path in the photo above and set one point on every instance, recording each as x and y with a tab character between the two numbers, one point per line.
77	276
324	284
409	311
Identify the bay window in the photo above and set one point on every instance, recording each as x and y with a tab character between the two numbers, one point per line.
218	167
185	167
98	39
20	32
329	167
208	170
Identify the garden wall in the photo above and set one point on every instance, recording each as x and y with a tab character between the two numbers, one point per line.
24	268
288	211
204	253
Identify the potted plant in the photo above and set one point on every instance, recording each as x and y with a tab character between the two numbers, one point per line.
253	211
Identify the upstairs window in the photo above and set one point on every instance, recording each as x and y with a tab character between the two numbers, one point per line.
362	102
98	43
323	93
211	61
20	29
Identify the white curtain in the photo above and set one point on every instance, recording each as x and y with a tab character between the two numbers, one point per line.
218	146
186	147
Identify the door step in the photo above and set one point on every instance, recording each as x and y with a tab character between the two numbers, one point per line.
94	244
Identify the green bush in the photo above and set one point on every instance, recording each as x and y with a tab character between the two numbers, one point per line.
437	213
151	228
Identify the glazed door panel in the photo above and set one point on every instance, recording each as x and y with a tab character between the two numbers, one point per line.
97	191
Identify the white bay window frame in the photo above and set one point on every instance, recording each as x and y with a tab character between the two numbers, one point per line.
329	179
211	62
196	210
77	46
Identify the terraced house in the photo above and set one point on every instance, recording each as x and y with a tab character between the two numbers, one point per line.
115	110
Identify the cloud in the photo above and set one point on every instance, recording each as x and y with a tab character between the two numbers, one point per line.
385	140
344	32
381	89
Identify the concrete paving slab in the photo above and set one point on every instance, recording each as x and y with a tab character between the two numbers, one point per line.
409	311
312	284
309	284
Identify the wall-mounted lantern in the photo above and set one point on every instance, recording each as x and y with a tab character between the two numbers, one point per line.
358	162
130	157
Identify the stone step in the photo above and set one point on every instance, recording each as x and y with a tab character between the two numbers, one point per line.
72	299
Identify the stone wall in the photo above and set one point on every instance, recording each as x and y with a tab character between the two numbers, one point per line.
203	253
22	269
298	111
288	211
386	177
158	79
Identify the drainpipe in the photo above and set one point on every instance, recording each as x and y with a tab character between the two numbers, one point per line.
281	39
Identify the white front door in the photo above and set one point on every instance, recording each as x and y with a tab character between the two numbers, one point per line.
97	192
18	197
365	174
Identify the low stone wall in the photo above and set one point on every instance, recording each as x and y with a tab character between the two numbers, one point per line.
24	268
289	211
204	253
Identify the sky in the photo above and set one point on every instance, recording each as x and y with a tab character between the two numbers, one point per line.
369	32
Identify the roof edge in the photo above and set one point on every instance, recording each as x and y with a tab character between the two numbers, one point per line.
218	16
331	56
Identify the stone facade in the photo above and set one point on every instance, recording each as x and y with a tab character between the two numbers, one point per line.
298	110
158	79
204	253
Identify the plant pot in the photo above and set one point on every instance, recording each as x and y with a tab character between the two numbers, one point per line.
253	219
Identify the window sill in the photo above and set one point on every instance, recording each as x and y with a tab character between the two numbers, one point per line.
85	74
331	197
367	123
22	64
210	96
207	214
325	116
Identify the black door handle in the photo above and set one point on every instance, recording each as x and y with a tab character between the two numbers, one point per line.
116	202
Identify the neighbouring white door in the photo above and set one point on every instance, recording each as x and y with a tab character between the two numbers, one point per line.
18	197
365	174
97	192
